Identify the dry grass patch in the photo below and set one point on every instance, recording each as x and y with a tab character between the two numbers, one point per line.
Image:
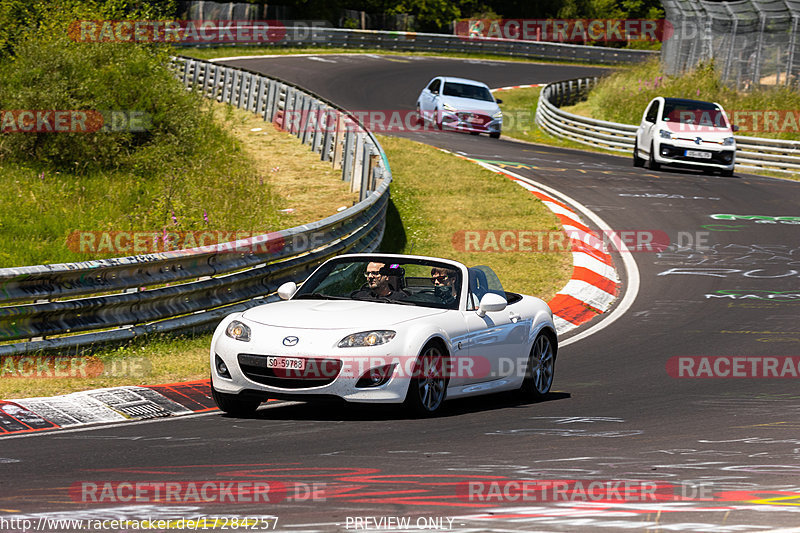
312	189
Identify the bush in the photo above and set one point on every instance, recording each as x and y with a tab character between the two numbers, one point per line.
118	80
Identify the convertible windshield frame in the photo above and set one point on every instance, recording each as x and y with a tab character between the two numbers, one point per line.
410	280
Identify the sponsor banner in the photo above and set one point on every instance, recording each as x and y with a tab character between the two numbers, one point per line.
572	490
73	121
148	242
766	120
179	492
70	367
734	367
177	31
557	241
566	30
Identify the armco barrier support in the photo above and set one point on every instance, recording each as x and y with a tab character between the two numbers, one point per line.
112	300
751	152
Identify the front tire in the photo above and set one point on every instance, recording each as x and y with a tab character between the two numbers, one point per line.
540	370
495	135
653	164
637	161
428	387
233	404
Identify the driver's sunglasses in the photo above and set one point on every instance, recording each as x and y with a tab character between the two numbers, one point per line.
369	273
440	277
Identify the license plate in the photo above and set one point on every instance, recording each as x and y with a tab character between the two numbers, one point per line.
475	120
286	363
698	155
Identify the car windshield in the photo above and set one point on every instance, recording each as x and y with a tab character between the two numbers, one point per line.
691	112
463	90
411	282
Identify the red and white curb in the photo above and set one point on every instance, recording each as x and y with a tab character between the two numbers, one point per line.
518	87
117	404
594	284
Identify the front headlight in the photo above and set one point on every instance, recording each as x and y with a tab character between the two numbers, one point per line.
237	330
665	134
367	338
729	141
448	107
499	114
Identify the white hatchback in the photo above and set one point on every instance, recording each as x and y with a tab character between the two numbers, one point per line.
460	104
681	132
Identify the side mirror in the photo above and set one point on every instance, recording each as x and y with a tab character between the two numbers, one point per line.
734	127
287	290
498	100
491	303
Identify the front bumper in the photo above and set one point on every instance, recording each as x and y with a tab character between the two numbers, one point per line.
331	373
686	154
471	122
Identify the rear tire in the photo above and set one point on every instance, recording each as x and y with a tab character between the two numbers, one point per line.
653	164
540	370
233	404
428	385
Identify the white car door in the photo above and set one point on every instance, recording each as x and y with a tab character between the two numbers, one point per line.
429	99
645	132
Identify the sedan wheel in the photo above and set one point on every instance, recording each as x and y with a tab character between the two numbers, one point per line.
428	386
540	370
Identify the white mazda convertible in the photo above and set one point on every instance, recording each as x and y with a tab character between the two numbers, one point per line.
386	329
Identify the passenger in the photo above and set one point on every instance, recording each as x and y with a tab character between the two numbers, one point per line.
444	283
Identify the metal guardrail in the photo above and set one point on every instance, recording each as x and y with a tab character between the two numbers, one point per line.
435	42
751	152
112	300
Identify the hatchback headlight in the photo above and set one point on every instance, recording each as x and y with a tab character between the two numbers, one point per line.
665	134
448	107
498	115
237	330
728	141
367	338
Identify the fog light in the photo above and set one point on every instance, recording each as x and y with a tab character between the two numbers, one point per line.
664	150
222	368
375	377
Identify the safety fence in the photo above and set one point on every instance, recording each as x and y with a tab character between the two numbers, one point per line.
115	300
752	42
403	41
751	152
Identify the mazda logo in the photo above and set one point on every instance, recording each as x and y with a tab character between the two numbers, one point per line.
290	341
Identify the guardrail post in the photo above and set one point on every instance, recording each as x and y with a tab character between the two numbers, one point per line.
347	154
339	140
358	164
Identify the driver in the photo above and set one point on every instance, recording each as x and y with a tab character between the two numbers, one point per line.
378	283
444	284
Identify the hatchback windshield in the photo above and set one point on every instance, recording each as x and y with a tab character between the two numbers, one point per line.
694	112
418	282
463	90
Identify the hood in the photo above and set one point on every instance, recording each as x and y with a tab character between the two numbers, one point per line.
468	104
335	314
690	131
